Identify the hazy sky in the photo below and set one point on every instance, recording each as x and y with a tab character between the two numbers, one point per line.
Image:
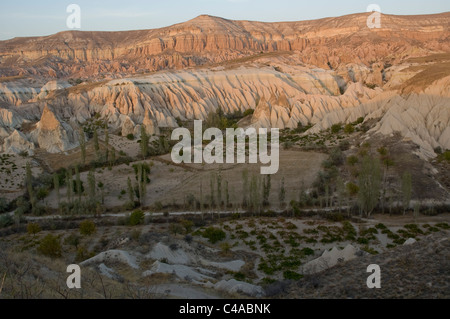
44	17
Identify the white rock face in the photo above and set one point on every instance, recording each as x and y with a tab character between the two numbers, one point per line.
112	256
280	99
329	259
17	143
151	127
409	241
161	251
50	87
181	271
234	286
422	118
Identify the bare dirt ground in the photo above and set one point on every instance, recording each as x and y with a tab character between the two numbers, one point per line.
261	253
415	271
12	174
170	183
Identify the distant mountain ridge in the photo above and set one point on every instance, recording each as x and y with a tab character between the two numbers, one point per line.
328	42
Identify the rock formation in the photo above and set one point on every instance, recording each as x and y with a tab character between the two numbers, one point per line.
328	42
52	134
17	143
359	75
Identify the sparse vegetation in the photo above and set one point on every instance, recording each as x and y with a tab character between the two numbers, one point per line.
87	228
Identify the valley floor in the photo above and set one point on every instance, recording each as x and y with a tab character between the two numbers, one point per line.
232	257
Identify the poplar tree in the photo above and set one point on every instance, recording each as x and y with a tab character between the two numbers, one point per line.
91	185
78	182
282	194
69	183
107	144
369	184
406	190
56	187
144	142
29	183
82	141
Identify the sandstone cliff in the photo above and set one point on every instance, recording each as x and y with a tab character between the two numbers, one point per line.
328	42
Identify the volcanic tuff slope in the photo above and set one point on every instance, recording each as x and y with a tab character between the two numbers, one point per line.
363	73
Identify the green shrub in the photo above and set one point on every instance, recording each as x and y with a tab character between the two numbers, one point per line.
352	189
352	160
248	112
176	228
336	156
214	235
72	240
265	268
442	225
363	240
130	137
445	156
42	193
336	128
307	251
136	218
3	205
349	129
6	220
87	227
50	246
290	226
291	275
370	250
349	230
33	228
268	280
239	276
187	224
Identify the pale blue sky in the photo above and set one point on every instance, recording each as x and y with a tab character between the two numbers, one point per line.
34	18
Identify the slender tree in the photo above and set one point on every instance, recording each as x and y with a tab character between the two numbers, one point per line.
91	185
140	183
96	144
282	194
82	141
78	182
101	187
340	188
29	183
406	190
130	191
107	144
369	184
113	156
56	187
69	184
266	190
255	193
144	142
